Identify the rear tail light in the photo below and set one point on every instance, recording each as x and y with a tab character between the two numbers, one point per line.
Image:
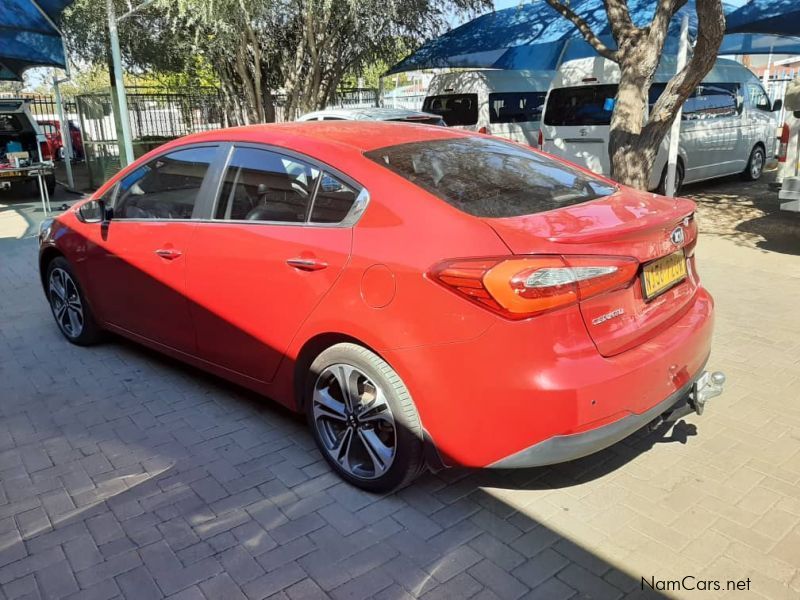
523	287
483	130
540	141
783	149
44	149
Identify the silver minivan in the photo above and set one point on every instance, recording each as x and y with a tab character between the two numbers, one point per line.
727	126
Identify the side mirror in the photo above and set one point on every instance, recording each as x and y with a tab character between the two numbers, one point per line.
777	105
92	211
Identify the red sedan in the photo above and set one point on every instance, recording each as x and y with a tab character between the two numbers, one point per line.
426	297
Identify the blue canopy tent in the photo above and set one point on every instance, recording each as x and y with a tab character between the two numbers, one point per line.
777	17
29	36
534	36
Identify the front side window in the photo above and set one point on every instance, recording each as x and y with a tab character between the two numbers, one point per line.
167	187
261	185
758	97
516	107
455	109
487	177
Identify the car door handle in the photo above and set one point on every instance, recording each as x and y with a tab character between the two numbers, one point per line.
307	264
169	253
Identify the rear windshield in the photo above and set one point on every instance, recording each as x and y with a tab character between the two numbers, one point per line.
588	105
455	109
486	177
516	107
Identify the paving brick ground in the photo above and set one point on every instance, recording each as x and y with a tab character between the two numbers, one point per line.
125	474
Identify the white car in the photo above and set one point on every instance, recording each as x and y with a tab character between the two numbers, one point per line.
373	114
788	179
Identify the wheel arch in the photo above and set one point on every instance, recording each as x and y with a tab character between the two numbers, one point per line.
46	256
309	351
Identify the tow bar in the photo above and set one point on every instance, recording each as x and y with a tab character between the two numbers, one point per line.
707	386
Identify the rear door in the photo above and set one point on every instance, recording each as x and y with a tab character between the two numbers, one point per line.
516	115
576	125
277	239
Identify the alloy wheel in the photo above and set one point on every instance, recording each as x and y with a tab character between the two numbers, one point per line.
65	302
756	165
354	421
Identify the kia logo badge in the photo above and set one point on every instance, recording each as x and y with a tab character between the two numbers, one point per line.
677	236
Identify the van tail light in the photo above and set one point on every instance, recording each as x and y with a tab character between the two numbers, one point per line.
526	286
44	149
540	141
783	149
483	130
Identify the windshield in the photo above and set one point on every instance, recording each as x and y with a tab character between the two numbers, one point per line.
486	177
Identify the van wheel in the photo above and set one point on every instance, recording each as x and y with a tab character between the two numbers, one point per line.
662	185
755	166
363	419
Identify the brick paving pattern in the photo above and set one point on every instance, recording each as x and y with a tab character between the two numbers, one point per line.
124	474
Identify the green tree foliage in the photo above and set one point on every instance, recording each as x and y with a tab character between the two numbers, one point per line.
300	49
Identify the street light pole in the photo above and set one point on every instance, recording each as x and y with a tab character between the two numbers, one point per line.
125	144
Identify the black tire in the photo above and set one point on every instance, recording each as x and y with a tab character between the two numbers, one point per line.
755	165
408	460
679	175
90	332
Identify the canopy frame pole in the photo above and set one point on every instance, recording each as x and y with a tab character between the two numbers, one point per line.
66	137
126	143
675	130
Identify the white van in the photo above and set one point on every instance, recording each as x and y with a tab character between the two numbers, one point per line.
507	104
728	124
788	179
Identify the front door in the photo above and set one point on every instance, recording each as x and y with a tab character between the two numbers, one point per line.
275	246
138	259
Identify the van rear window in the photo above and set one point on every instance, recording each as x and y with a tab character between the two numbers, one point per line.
516	107
580	106
455	109
487	177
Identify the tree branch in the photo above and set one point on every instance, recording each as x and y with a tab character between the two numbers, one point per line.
619	19
586	31
710	29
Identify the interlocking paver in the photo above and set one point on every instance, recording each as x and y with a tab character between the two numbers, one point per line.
123	473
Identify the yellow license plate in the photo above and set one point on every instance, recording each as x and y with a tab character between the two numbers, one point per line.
662	274
6	173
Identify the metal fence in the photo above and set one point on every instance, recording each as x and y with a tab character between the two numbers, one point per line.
43	106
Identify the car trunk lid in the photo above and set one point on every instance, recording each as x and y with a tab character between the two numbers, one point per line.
629	223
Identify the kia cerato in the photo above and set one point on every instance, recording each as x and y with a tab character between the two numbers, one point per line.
427	297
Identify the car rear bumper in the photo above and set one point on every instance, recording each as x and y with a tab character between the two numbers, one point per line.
562	448
521	384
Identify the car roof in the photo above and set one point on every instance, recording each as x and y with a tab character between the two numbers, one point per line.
372	113
360	136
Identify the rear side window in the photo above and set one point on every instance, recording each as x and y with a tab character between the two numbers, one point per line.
711	101
332	201
455	109
261	185
516	107
165	188
580	106
486	177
